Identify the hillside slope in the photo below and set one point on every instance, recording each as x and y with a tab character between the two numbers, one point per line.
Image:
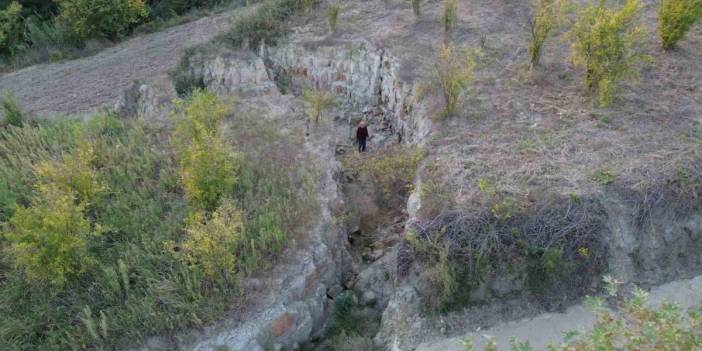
84	84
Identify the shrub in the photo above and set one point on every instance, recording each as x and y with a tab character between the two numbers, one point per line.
308	5
639	326
318	101
554	244
391	170
212	243
448	18
675	18
606	42
208	172
85	19
417	7
49	239
74	174
42	33
333	16
21	149
448	287
603	176
10	28
454	72
197	118
168	8
208	168
11	110
546	18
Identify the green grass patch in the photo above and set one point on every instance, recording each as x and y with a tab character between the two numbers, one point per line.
131	280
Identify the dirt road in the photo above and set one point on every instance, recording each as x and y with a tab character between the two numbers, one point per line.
84	84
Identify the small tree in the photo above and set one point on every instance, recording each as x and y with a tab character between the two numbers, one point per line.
318	101
208	169
454	72
212	243
333	16
49	239
417	7
675	18
197	117
449	16
547	17
208	172
606	42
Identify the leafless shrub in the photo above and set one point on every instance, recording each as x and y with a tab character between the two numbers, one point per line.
555	242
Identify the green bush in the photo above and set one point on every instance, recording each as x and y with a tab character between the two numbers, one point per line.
416	7
448	18
111	19
10	28
391	171
212	241
675	18
208	172
12	112
333	16
74	174
607	42
546	18
318	102
454	70
49	239
208	166
639	327
308	5
164	9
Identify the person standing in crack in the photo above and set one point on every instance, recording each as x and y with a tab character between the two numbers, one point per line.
362	135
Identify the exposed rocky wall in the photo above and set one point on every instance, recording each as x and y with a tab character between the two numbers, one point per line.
228	72
357	71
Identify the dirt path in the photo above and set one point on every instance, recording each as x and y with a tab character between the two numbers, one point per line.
84	84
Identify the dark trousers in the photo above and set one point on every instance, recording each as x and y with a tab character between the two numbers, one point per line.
361	145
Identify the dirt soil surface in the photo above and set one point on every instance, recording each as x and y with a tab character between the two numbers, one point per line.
85	84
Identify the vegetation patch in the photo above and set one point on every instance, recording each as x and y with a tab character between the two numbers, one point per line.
454	73
607	42
39	31
103	241
636	325
676	18
551	244
352	327
391	171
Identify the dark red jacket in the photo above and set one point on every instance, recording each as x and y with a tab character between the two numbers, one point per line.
362	133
